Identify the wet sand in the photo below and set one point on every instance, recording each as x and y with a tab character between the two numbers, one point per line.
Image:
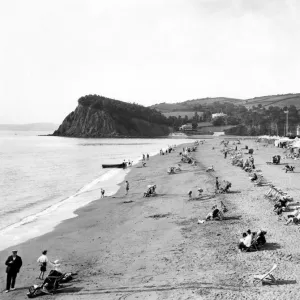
153	248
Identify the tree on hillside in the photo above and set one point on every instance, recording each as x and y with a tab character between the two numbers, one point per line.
219	121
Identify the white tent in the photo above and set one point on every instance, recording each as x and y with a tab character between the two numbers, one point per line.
282	140
296	144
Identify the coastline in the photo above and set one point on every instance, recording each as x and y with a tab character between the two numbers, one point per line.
120	249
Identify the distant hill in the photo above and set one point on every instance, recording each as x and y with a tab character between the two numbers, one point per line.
190	104
265	101
275	100
29	127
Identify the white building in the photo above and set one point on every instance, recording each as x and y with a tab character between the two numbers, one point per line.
186	127
213	116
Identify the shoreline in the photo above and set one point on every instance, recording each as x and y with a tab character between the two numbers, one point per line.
42	222
156	242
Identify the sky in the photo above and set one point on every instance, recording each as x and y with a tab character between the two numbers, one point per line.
143	51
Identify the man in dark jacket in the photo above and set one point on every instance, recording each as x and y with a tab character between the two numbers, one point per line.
14	264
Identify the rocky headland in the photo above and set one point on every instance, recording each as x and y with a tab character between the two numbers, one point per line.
97	116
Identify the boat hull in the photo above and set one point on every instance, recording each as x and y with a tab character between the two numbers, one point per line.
120	166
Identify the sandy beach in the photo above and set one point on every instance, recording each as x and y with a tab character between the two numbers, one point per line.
131	247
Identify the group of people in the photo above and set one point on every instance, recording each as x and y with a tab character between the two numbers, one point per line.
252	240
145	157
168	150
14	264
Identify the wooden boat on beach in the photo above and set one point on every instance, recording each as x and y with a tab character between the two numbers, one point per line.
123	165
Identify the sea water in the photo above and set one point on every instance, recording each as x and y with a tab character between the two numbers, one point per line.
43	179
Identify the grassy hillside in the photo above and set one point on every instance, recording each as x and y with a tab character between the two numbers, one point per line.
265	101
277	100
190	104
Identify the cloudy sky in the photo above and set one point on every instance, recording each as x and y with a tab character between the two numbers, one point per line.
145	51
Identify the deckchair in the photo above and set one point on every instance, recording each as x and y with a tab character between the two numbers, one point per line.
261	181
267	278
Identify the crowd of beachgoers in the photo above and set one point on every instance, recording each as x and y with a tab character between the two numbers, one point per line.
222	216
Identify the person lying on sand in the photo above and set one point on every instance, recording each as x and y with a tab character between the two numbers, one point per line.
288	168
210	169
294	217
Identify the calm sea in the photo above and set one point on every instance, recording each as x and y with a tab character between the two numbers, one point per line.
44	179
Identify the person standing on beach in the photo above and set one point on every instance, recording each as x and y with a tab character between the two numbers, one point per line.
102	193
225	154
217	184
144	158
14	264
43	260
127	186
148	156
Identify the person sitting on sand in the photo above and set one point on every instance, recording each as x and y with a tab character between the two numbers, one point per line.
214	214
151	190
254	177
171	170
200	191
241	244
261	239
248	238
251	160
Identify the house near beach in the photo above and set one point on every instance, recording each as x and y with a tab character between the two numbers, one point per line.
186	127
217	115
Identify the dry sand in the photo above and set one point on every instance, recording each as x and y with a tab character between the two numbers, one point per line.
121	252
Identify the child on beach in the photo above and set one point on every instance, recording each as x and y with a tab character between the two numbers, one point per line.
43	260
127	186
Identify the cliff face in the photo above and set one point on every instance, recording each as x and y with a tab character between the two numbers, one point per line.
87	122
90	120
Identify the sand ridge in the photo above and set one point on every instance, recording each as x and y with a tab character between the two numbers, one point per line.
121	252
